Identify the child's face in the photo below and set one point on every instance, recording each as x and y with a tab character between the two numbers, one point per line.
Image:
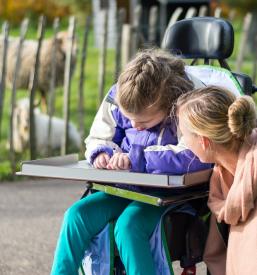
146	119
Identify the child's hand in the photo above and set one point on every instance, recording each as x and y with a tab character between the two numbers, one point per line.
119	161
101	161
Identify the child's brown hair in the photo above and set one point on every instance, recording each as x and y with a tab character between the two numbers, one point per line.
153	78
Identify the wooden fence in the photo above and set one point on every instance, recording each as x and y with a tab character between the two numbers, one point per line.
129	39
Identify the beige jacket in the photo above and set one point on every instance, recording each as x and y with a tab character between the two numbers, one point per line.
233	200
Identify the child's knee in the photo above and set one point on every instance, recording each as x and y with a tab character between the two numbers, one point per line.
73	213
125	228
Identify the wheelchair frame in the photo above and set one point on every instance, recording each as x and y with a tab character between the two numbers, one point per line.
221	48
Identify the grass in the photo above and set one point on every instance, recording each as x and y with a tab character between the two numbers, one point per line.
90	96
90	91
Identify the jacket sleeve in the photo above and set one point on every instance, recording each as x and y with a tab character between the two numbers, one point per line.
168	159
105	135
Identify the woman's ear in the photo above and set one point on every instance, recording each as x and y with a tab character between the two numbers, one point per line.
205	142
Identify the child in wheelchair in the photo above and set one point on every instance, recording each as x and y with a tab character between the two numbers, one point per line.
132	130
220	128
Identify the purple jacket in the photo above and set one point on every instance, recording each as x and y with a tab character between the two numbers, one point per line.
156	150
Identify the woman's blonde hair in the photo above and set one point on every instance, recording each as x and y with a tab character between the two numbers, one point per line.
153	78
217	114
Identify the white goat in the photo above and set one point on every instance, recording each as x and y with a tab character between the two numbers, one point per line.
21	130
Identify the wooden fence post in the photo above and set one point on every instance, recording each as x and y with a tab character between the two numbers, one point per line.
243	41
23	30
51	93
203	11
33	87
5	31
121	14
175	16
173	19
255	60
136	29
132	6
232	15
67	84
81	107
163	18
153	21
126	44
102	58
191	12
217	12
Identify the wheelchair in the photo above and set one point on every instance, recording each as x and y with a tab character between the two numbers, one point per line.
209	39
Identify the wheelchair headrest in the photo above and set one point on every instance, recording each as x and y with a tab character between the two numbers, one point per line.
200	37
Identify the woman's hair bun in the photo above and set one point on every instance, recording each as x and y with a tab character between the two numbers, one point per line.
242	117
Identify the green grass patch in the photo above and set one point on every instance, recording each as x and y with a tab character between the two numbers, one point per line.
90	96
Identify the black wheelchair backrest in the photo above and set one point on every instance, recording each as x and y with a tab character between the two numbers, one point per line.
201	37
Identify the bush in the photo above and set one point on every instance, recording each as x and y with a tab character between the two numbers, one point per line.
243	5
14	11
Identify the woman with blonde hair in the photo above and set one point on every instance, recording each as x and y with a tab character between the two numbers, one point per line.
221	128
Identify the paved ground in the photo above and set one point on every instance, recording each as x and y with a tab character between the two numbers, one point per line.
30	217
31	214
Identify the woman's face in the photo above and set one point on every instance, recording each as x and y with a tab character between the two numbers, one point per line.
197	144
146	119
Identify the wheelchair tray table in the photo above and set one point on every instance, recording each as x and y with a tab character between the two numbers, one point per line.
115	182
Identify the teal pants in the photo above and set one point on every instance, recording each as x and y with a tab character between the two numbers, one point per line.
87	217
